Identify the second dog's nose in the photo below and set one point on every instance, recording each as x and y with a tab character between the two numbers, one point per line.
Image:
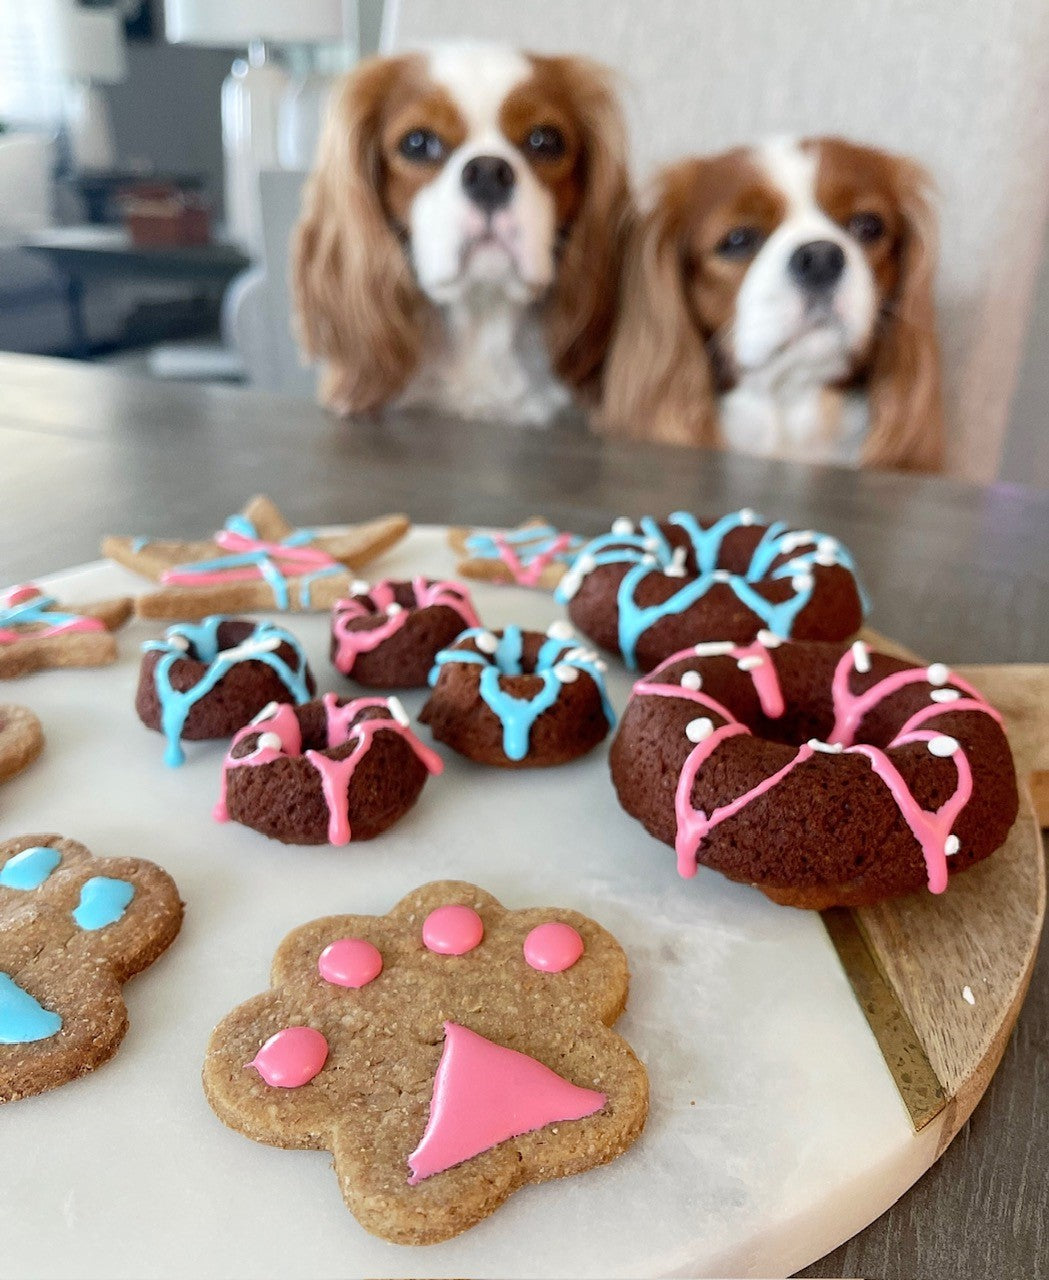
818	264
488	181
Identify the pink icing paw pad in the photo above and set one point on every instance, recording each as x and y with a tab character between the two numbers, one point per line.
441	1077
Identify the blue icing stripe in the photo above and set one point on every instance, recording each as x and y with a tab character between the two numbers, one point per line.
138	544
37	609
30	868
23	1018
536	541
103	901
518	715
308	579
201	641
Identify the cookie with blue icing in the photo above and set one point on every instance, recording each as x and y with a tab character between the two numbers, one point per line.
207	679
646	591
519	698
73	929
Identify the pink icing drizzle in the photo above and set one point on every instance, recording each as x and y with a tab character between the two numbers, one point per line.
335	775
350	643
452	930
68	623
291	562
350	962
484	1094
553	947
291	1057
528	575
930	829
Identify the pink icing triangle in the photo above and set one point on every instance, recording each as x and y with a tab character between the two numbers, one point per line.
484	1094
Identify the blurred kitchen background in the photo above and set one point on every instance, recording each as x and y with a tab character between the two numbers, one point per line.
152	154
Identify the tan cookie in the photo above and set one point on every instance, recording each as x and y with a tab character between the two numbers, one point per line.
21	739
73	929
535	554
446	1054
37	633
257	562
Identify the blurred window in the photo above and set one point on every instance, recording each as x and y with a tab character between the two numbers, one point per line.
30	86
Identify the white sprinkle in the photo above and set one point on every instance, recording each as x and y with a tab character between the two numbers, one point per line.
569	585
486	642
268	710
600	664
676	567
249	648
359	587
945	695
651	544
565	673
802	582
393	609
747	516
951	845
792	541
967	995
722	575
178	642
648	559
398	712
861	657
828	748
938	673
713	648
691	680
585	564
769	639
559	629
751	661
623	526
269	742
827	546
699	729
943	746
825	558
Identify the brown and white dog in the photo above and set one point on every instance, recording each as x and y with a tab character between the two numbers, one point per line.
778	300
462	232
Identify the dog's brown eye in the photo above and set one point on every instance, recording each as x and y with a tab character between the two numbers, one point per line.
866	227
740	242
545	142
422	146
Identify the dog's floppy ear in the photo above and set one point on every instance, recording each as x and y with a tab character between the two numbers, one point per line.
906	427
659	384
581	308
357	304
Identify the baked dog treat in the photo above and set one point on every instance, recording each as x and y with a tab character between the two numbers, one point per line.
325	773
36	633
824	774
651	591
21	739
73	929
445	1054
205	680
386	636
257	562
519	698
535	554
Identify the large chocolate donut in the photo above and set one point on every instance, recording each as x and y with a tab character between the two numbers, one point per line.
824	774
326	772
648	592
519	698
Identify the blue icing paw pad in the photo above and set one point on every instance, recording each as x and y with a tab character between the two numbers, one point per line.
23	1018
30	868
103	901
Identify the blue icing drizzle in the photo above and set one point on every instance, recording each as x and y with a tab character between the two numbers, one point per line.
36	609
649	552
308	579
518	715
201	640
30	868
137	544
23	1018
536	539
102	901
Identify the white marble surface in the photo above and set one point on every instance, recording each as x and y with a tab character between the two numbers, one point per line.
775	1129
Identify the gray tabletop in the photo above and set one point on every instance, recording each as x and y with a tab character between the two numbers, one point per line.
956	572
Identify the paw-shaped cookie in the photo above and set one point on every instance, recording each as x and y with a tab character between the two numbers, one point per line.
446	1054
73	929
36	632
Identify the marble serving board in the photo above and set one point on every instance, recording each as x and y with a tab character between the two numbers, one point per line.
776	1128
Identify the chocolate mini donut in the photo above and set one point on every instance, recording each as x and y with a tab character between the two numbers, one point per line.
386	636
648	592
326	772
826	775
518	698
206	679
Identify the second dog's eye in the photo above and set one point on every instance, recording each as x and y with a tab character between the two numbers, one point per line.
545	142
422	146
866	227
740	242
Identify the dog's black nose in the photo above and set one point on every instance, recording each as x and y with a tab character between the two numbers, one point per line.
817	265
489	182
